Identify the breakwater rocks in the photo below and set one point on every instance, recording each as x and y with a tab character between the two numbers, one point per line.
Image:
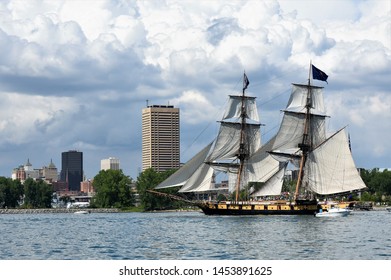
57	210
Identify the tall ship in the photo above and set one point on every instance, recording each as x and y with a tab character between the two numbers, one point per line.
254	172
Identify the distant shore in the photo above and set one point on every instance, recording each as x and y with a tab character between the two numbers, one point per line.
379	208
57	210
110	210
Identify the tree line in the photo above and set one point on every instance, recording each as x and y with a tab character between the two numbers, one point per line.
31	194
114	189
379	185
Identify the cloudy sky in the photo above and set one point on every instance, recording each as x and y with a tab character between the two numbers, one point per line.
75	74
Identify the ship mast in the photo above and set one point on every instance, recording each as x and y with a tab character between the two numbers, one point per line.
305	145
243	153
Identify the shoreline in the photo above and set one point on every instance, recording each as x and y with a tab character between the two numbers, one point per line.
57	210
113	210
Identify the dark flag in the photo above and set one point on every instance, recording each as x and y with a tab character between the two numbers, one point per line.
246	82
318	74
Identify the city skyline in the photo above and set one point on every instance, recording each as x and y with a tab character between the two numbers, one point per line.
106	163
75	75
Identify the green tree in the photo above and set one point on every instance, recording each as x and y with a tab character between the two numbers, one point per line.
31	199
378	183
38	194
11	192
148	180
289	186
46	194
113	189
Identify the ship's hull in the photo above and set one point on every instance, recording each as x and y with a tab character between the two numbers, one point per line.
252	208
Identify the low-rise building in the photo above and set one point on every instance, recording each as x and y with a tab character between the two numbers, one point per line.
109	163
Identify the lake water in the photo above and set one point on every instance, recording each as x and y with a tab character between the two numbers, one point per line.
194	236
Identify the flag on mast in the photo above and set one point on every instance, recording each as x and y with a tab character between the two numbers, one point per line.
318	74
246	82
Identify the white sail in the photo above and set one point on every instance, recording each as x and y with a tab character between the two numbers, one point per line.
232	179
200	181
298	99
238	140
228	141
182	175
330	168
291	131
259	168
273	186
327	164
261	165
235	108
226	146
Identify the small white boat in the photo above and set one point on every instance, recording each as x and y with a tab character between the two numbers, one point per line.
82	212
333	212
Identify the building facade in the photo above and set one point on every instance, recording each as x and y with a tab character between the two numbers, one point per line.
72	169
109	163
24	172
87	187
160	138
50	172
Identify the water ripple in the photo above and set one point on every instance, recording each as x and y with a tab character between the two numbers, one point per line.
363	235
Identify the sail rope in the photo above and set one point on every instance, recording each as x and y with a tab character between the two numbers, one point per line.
171	196
187	149
213	120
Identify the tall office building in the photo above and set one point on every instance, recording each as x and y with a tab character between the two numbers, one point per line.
160	137
109	163
72	169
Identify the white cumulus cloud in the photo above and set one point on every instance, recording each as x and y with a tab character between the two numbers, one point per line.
77	73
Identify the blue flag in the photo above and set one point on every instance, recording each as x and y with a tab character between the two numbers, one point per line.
319	74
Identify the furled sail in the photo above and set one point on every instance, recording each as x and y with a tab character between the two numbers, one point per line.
330	167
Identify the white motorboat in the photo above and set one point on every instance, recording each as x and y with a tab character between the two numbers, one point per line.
333	212
82	212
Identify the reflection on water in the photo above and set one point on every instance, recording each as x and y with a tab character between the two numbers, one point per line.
192	235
